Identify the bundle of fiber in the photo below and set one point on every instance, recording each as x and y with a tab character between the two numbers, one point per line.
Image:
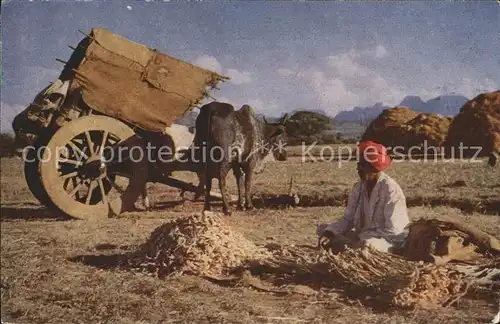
431	287
485	274
387	277
198	244
396	280
367	267
388	128
477	125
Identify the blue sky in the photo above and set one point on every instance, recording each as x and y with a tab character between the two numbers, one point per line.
282	56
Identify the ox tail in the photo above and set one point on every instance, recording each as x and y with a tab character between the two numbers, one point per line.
208	179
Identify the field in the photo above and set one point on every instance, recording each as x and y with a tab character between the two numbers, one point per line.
43	279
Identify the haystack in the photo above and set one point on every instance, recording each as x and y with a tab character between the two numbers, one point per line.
388	127
477	124
197	244
405	128
430	128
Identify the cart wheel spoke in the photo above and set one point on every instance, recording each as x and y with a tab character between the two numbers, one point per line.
78	150
103	192
112	139
90	144
74	162
76	188
69	175
91	190
103	142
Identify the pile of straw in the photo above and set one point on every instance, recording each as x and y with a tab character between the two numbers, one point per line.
386	277
198	244
431	286
393	279
368	269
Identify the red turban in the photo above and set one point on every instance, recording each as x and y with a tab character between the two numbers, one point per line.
375	154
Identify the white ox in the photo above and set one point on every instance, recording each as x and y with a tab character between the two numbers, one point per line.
181	136
183	139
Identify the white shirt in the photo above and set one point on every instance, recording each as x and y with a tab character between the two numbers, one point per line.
382	215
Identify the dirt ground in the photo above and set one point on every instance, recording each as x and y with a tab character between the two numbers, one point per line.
44	281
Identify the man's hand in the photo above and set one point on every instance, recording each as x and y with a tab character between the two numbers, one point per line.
325	239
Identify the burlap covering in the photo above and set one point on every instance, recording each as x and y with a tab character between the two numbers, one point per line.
403	128
132	82
477	124
443	240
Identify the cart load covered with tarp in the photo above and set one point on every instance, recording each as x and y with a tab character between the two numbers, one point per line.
132	82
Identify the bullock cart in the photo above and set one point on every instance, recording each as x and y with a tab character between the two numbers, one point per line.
94	137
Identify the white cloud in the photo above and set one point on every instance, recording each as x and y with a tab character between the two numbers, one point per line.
382	91
342	81
238	77
211	63
223	99
350	82
331	92
258	105
208	62
42	76
284	72
471	88
345	64
380	52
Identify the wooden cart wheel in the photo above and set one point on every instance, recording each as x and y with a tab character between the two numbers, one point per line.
79	182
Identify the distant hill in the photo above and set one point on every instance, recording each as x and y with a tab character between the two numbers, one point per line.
449	105
446	105
361	115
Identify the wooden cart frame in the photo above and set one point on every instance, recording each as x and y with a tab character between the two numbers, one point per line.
112	94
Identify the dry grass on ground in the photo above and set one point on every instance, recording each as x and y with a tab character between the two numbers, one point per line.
42	280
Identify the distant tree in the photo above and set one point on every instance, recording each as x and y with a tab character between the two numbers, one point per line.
308	124
6	144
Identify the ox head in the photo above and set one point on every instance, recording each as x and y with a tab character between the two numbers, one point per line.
275	135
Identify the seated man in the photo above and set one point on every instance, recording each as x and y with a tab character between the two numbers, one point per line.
376	210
